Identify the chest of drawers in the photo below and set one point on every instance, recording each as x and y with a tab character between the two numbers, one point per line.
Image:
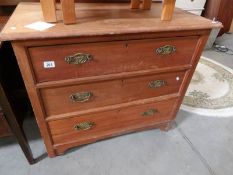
116	71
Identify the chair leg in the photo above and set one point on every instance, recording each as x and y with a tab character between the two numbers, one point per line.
168	10
22	140
135	4
49	10
68	11
15	127
146	4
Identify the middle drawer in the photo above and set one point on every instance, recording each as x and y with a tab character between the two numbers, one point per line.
66	99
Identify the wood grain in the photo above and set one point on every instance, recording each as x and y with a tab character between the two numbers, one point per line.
113	107
146	4
123	45
108	77
61	148
168	10
135	4
49	10
107	57
100	20
57	100
33	94
68	11
15	2
187	79
110	121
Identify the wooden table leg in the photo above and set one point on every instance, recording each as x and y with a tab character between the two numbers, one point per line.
68	11
135	4
146	4
15	127
49	10
168	10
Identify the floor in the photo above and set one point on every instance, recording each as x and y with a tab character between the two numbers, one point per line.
198	145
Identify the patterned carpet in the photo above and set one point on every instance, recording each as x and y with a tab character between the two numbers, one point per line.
211	90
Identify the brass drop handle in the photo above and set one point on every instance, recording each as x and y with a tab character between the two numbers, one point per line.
81	97
84	126
78	58
157	84
166	50
150	112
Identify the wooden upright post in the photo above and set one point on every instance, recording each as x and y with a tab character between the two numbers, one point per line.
135	4
49	10
68	11
146	4
168	10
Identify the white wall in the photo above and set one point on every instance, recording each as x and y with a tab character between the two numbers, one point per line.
193	6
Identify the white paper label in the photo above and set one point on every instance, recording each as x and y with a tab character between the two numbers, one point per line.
40	26
49	64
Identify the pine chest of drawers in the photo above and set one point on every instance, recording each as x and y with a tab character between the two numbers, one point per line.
116	71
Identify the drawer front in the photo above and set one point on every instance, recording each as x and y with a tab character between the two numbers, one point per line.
93	59
97	125
85	96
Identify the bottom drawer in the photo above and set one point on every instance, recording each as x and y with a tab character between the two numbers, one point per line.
96	126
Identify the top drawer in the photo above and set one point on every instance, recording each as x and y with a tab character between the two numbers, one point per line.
62	62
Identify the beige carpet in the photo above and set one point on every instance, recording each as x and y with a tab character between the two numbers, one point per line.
211	90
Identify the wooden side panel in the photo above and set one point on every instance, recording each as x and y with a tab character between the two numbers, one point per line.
110	57
58	100
195	59
34	96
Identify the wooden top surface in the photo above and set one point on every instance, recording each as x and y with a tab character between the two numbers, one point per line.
99	19
5	14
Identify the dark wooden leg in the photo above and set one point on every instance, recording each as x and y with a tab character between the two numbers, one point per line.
15	127
166	127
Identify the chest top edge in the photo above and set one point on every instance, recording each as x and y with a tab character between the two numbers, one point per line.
117	19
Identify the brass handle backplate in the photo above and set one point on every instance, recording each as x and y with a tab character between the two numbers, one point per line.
81	97
84	126
78	58
157	84
150	112
166	50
